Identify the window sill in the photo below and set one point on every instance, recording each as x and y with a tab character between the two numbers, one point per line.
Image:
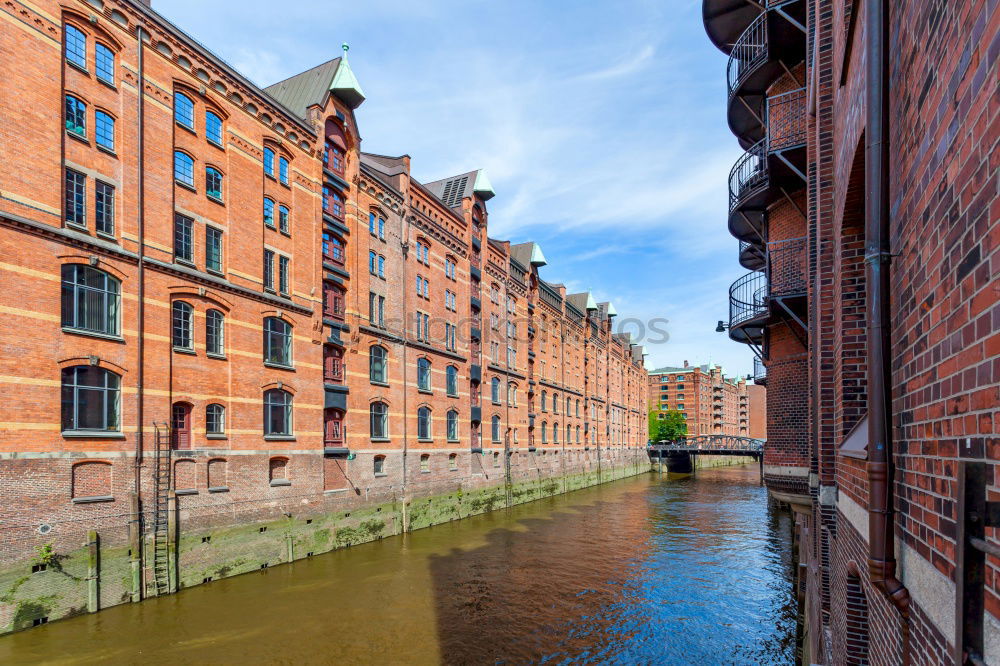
380	474
93	500
82	138
334	491
279	438
382	384
284	183
451	395
270	225
107	151
380	439
425	391
186	491
92	334
276	483
185	127
285	233
79	68
184	262
213	271
185	350
271	176
217	436
220	357
215	199
186	186
215	143
425	471
453	441
426	440
77	226
106	236
279	366
95	434
218	489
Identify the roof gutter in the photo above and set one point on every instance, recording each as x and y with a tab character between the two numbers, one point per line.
881	532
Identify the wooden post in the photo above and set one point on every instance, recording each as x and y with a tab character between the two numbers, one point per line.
135	547
172	539
93	572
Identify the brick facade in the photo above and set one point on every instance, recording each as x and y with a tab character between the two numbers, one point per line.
712	404
227	298
798	206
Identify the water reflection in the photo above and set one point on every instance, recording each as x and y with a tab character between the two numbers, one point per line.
640	571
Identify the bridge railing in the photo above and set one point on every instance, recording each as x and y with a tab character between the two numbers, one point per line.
711	443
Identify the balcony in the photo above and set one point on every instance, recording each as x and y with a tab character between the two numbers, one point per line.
748	308
475	373
769	169
771	45
751	255
475	303
476	413
725	20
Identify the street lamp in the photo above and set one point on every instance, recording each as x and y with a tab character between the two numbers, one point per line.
721	328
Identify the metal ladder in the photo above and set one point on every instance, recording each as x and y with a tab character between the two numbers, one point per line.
161	529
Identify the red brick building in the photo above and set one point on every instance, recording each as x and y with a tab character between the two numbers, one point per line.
224	317
866	208
711	403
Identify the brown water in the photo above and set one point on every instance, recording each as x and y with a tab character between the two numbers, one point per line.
643	570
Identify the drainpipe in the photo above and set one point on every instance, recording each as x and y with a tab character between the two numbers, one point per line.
141	313
881	536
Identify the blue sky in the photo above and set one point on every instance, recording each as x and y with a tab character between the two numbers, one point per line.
602	126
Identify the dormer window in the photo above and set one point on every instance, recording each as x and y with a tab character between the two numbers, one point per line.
334	157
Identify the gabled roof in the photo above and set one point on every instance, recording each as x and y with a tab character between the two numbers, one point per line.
455	188
528	254
390	166
584	301
310	87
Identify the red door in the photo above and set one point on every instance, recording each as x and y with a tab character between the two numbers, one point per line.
180	426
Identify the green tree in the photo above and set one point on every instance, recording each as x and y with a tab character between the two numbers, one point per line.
672	427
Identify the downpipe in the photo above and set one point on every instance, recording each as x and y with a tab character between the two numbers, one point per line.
881	472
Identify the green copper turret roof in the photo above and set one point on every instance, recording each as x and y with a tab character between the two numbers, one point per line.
345	85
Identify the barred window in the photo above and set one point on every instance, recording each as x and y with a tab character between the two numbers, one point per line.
76	197
90	300
90	399
182	317
104	208
183	110
183	238
76	116
215	419
104	130
277	412
215	332
76	46
277	341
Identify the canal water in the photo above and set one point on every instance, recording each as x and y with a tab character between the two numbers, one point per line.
640	571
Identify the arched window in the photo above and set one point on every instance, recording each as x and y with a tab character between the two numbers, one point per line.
495	429
333	427
183	168
215	332
423	374
76	116
545	432
451	375
495	390
378	464
336	148
452	426
453	462
277	412
90	399
578	434
555	433
544	401
269	212
379	413
425	463
183	110
76	46
213	183
333	248
183	316
424	423
215	419
377	364
180	425
90	300
104	130
569	433
333	202
512	395
283	219
213	128
578	407
277	342
283	170
104	63
555	403
569	406
333	365
269	161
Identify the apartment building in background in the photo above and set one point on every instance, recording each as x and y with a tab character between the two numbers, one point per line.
711	402
866	210
226	319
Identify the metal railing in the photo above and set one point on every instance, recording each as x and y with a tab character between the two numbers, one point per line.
786	267
786	119
749	52
750	248
759	371
747	298
748	174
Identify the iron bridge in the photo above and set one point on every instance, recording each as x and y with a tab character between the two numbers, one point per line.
719	445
